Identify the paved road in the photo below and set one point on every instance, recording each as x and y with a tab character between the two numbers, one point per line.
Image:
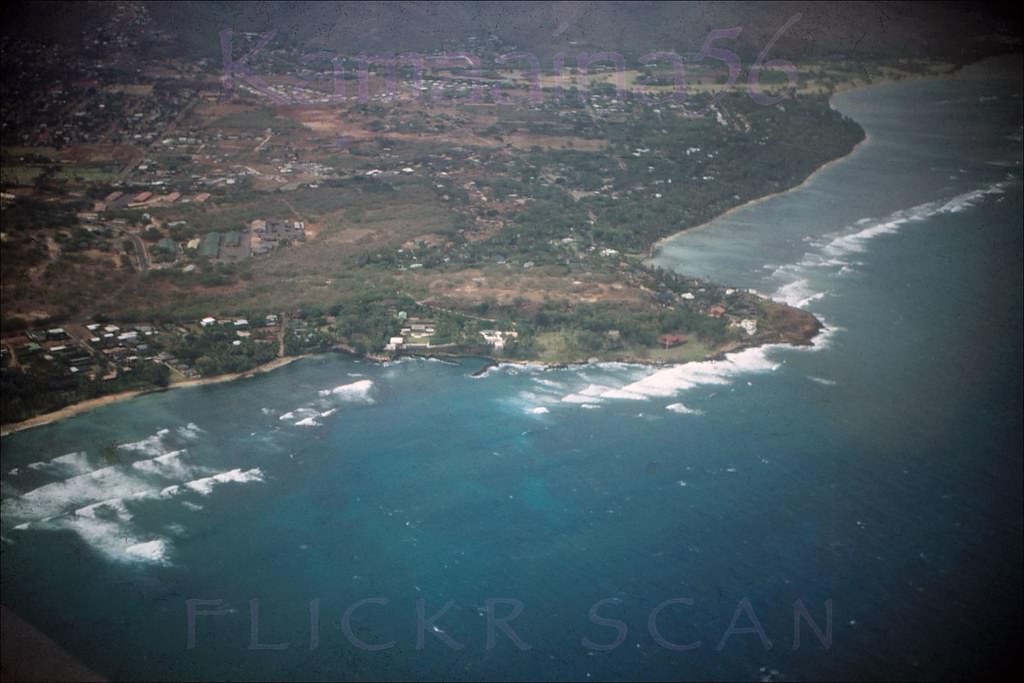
140	249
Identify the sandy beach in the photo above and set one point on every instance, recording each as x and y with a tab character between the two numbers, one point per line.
847	86
92	404
656	247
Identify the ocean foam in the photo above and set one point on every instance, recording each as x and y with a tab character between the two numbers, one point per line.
151	551
580	398
356	392
205	485
68	465
300	414
168	466
152	445
549	383
682	409
113	538
797	293
69	494
190	431
511	369
822	340
534	397
94	505
307	422
670	381
856	242
113	505
540	410
591	393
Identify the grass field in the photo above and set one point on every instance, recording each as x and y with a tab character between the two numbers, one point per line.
19	175
254	119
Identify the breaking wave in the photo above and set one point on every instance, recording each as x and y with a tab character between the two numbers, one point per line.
97	504
682	409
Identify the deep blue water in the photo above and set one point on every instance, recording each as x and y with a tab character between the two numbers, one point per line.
879	472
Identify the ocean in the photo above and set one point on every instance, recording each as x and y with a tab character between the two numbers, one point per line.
852	510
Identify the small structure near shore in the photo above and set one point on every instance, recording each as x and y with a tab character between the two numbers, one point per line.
497	338
672	340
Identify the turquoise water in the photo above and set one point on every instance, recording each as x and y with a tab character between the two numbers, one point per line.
879	472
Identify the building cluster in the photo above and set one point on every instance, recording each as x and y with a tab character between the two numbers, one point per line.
269	234
497	339
104	351
415	333
97	351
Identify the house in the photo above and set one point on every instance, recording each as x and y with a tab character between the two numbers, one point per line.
673	339
206	322
716	311
209	246
394	343
167	245
497	338
140	200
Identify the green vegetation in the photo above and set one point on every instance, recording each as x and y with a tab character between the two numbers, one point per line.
532	219
48	388
258	119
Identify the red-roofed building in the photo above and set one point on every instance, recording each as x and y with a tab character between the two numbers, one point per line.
670	340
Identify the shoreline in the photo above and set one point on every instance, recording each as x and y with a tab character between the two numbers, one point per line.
654	250
88	405
841	88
